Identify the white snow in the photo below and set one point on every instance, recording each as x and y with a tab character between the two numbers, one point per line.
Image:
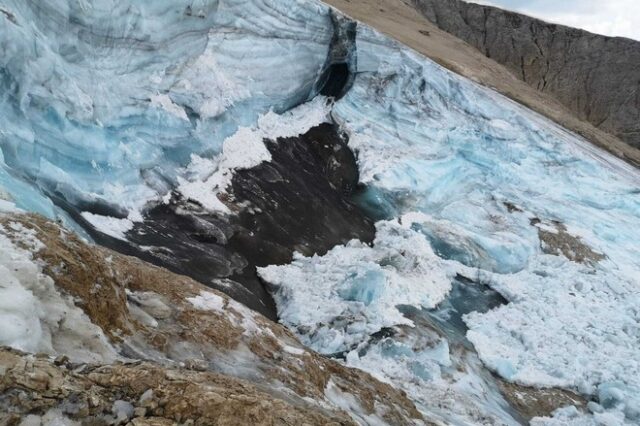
293	350
237	313
112	226
35	316
207	301
571	416
352	292
208	179
584	320
164	101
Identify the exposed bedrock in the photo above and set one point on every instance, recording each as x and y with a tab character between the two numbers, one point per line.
596	77
300	201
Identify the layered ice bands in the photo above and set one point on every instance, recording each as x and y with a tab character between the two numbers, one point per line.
503	241
103	101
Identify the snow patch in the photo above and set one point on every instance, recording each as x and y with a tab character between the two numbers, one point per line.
207	301
114	227
35	316
206	180
164	102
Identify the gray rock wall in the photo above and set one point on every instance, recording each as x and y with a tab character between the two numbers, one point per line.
596	77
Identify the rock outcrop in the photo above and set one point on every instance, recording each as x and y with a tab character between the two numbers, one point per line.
300	201
200	352
596	77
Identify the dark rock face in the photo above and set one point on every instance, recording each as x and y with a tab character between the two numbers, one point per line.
596	77
300	201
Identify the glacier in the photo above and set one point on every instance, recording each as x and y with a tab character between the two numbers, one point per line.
104	101
461	155
111	107
482	178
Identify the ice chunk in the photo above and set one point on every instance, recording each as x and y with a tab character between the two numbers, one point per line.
353	291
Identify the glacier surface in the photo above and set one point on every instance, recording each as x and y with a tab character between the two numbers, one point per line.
108	106
482	178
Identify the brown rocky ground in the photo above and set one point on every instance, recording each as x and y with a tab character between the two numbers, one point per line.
400	20
561	242
140	393
178	326
531	402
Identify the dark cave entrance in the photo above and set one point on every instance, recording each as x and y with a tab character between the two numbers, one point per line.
335	80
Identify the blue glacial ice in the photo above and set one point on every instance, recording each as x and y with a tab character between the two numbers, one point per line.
103	102
354	290
108	105
480	177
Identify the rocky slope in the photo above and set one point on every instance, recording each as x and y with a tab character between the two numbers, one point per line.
596	77
40	390
93	315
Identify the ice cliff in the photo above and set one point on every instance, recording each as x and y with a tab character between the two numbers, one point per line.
104	101
252	146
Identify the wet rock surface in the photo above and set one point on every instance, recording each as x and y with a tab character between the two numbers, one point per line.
532	402
299	201
592	75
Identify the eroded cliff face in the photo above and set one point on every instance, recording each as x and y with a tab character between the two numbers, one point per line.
93	315
596	77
